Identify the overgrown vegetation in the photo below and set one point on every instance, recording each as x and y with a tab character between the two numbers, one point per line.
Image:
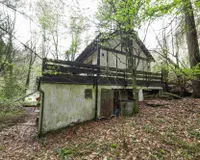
18	61
11	115
157	132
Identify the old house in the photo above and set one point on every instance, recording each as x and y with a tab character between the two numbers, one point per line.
96	85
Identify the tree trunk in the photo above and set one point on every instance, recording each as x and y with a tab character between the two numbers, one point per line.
132	67
29	72
192	43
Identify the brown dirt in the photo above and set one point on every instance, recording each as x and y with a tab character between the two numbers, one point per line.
8	120
169	131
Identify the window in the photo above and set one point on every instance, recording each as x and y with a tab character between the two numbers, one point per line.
88	93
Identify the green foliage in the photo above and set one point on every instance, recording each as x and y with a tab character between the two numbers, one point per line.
175	75
136	109
157	155
197	4
64	153
48	15
162	121
10	113
134	124
76	28
113	145
13	82
149	128
195	133
167	7
116	13
46	19
121	14
189	148
189	73
43	141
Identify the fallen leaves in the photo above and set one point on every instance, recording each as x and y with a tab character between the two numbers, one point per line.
170	132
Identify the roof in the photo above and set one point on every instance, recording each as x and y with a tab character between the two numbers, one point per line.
92	47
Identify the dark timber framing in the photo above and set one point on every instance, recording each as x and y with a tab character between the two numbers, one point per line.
92	47
57	71
122	52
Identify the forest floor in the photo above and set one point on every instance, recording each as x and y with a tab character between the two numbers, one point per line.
9	116
169	130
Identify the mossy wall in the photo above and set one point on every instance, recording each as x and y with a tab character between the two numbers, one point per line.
65	104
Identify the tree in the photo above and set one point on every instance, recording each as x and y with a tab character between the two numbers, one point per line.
49	15
8	53
76	28
184	8
123	16
15	76
192	43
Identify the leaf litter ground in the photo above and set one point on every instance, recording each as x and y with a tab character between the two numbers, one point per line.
162	130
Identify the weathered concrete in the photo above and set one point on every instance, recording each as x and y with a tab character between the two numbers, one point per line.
140	95
65	104
127	108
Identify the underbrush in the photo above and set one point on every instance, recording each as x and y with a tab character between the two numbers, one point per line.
11	114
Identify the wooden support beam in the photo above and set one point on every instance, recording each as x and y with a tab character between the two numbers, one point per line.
70	63
61	69
123	53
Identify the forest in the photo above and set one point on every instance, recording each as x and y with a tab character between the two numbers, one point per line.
162	126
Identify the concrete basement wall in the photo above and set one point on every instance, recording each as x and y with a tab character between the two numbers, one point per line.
65	104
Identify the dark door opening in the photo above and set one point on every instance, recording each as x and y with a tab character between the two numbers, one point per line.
106	102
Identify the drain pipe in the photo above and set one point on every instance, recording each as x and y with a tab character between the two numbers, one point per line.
41	114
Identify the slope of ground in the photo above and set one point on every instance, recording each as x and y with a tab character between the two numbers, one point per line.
11	115
162	130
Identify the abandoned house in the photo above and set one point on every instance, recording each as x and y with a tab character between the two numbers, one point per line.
96	85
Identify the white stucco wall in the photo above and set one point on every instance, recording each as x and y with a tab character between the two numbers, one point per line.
103	57
65	104
121	62
114	42
142	65
91	59
94	58
111	59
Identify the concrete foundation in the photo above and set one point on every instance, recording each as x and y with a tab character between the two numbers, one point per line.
65	104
